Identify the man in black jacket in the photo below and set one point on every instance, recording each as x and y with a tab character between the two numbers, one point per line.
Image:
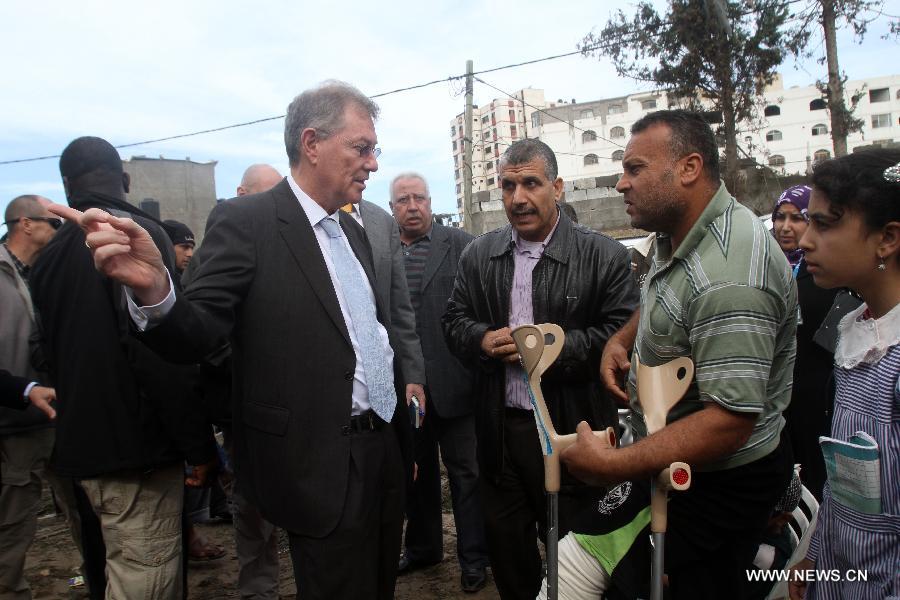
540	268
127	420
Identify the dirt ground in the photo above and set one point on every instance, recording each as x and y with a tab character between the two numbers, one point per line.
53	560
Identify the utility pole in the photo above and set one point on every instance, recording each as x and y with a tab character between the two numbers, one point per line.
836	105
467	152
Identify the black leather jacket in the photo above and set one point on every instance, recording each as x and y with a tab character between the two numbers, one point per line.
582	283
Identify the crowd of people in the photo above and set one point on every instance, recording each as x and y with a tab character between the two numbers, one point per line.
344	352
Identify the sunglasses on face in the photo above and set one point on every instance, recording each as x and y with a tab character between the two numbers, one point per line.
54	222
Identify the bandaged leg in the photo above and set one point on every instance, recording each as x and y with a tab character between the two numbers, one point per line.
580	575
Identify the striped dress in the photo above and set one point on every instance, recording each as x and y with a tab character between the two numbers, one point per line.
867	399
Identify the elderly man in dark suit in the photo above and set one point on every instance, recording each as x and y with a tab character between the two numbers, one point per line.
431	252
288	278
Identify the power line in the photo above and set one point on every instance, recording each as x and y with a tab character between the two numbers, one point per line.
449	79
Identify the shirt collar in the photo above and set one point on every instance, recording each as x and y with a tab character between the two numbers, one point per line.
718	205
425	236
524	246
21	267
314	212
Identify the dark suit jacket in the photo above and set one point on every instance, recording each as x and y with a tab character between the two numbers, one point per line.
262	282
390	286
449	382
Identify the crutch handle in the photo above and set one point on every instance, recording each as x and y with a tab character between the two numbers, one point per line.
561	442
676	476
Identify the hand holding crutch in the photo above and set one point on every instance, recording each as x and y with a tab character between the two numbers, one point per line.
659	389
539	346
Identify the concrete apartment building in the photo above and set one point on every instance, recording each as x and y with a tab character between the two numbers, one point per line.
183	190
589	138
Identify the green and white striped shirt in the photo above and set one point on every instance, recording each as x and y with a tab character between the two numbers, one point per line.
726	299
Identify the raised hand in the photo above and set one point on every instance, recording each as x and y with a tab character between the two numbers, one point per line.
122	250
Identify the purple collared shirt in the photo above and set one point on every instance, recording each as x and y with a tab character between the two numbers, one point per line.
521	311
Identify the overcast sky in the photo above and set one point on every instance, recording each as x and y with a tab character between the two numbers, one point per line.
129	71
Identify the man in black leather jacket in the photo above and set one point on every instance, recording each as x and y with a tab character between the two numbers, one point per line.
540	268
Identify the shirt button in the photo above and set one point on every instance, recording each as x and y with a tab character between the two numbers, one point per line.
348	376
345	430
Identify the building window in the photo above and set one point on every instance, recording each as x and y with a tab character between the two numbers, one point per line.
535	119
587	114
588	136
490	181
772	111
458	188
748	139
819	129
512	116
879	95
497	164
456	172
452	130
821	155
776	160
513	132
459	202
648	104
773	136
456	160
591	159
485	119
618	155
454	145
493	119
494	132
615	109
883	120
617	132
509	103
817	104
490	165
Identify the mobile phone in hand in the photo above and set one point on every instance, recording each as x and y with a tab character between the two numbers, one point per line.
415	417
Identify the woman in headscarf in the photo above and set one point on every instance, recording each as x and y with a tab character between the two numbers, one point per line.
789	221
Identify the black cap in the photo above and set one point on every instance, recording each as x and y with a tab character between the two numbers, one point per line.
179	232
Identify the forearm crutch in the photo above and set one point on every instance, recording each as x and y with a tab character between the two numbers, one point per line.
659	389
539	346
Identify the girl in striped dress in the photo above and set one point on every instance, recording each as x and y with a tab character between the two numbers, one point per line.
853	241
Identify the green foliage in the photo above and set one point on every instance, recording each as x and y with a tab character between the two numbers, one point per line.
719	52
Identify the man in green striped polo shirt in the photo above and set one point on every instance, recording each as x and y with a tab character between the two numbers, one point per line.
720	292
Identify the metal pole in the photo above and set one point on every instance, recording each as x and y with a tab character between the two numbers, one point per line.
657	565
552	546
467	152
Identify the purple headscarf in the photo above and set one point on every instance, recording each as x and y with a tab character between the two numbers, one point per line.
798	195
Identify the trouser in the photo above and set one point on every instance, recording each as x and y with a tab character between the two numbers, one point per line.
424	528
515	509
140	515
358	559
23	465
256	542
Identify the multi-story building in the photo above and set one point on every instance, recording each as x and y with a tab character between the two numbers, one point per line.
589	138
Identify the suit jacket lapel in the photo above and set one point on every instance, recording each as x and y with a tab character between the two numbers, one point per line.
297	233
440	246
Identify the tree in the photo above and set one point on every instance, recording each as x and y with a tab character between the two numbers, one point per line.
721	53
857	14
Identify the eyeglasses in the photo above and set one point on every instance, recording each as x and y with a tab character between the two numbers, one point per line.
365	150
54	222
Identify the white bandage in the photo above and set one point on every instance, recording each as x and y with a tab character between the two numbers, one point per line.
580	575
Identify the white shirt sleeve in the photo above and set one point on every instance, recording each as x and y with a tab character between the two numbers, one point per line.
146	317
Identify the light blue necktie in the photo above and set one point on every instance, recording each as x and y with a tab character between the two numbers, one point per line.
379	374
